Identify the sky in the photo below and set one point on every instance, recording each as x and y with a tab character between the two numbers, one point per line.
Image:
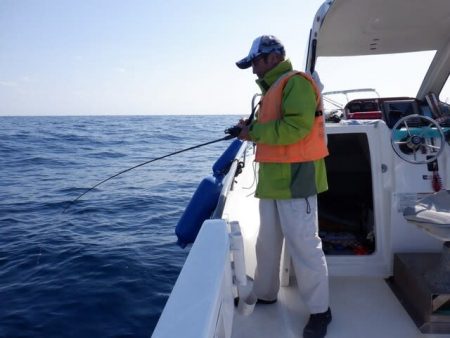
108	57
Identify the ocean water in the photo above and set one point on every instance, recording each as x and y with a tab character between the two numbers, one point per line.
106	266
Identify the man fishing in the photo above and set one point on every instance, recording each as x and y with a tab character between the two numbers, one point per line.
290	149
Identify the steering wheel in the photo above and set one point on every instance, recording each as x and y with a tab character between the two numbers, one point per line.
427	140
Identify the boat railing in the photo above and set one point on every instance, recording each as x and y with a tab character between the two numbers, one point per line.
228	182
339	106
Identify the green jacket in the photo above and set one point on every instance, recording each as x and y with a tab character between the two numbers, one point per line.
288	180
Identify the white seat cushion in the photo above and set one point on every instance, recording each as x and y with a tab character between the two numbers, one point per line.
433	209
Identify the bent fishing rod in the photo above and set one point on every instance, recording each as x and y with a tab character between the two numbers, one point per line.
228	137
232	133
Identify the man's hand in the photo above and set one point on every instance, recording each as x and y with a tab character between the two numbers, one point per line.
244	134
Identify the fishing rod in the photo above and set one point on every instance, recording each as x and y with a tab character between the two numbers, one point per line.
236	130
231	133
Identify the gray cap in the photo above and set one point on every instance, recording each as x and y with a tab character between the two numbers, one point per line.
263	44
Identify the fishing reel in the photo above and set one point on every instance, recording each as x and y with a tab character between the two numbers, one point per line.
236	130
233	131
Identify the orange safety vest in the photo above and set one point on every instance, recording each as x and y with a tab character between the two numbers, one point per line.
309	148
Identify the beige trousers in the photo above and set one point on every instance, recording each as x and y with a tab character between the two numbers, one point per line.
295	220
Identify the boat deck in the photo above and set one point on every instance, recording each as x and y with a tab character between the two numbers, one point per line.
362	302
361	307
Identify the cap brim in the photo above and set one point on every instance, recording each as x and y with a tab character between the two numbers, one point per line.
244	63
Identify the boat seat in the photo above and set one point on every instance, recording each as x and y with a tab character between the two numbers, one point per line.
432	213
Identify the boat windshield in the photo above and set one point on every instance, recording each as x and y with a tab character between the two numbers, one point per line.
372	76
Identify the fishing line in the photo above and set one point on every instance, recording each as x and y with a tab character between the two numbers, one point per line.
228	137
232	133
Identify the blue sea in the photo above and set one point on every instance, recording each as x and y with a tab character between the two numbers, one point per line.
106	266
